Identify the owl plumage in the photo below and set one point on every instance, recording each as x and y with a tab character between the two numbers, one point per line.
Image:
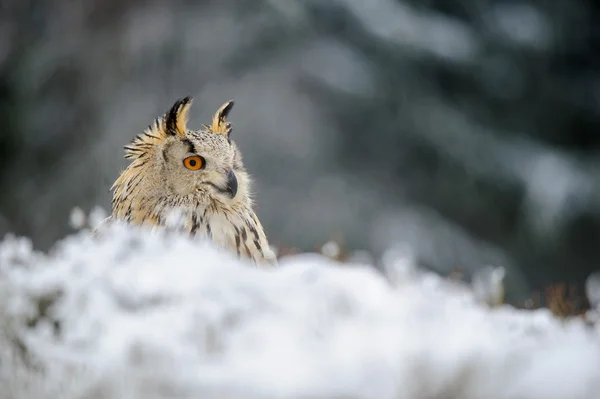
197	173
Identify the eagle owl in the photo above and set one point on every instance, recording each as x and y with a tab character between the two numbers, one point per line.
199	174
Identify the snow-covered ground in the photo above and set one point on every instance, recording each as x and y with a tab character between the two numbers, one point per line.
138	314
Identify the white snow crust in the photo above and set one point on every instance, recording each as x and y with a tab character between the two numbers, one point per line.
138	314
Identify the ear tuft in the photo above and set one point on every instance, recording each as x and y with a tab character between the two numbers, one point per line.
219	122
177	117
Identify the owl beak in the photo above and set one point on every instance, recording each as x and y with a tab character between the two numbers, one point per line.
232	184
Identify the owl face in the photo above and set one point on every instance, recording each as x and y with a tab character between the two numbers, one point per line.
184	166
201	163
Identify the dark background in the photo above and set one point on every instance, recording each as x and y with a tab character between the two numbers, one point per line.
466	129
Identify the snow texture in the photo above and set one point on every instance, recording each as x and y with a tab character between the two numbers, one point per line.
132	313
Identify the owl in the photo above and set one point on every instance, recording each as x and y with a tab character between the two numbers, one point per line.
197	173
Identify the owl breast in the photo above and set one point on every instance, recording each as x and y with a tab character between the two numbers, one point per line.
237	231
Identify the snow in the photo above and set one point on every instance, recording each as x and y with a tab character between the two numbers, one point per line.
132	313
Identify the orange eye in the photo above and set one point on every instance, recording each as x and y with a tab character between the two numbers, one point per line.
194	162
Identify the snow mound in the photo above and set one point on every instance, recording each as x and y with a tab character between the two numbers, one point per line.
139	314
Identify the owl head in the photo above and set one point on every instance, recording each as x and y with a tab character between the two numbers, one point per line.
182	166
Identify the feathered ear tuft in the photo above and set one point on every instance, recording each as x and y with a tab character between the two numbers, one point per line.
219	122
177	117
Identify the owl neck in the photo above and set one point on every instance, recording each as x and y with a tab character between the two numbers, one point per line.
157	209
234	227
